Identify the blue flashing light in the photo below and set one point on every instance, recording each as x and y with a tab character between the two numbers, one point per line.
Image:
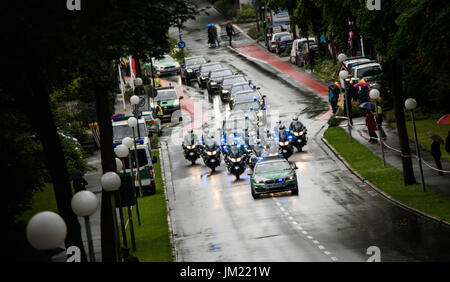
254	86
238	146
290	137
264	107
245	115
280	180
245	146
222	140
224	146
287	130
116	144
261	158
254	98
140	141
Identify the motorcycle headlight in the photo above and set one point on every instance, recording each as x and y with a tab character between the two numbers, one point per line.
283	143
191	146
211	153
189	70
213	83
225	91
202	77
235	160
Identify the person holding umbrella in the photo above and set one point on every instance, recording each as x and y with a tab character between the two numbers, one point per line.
436	150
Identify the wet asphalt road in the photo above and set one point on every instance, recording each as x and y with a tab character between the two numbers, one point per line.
335	217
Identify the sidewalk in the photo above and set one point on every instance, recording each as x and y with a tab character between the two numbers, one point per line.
439	184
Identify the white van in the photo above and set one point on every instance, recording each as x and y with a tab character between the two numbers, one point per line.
299	47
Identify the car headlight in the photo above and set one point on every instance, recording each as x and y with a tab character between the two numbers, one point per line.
189	70
176	65
191	146
160	68
213	83
291	177
176	102
259	181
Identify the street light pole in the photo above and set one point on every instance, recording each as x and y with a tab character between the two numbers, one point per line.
129	143
411	104
342	76
133	122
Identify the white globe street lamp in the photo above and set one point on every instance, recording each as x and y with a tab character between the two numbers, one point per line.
374	94
343	74
342	57
119	164
134	100
138	81
110	181
85	203
410	105
127	141
132	122
46	230
121	151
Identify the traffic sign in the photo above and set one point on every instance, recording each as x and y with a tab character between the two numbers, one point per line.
181	44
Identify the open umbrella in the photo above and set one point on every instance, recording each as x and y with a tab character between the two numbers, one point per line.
116	115
445	119
435	137
361	84
367	106
208	25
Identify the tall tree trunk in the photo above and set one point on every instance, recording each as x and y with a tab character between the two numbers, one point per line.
37	107
108	164
395	81
333	51
138	66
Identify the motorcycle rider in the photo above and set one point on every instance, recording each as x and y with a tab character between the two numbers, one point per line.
296	124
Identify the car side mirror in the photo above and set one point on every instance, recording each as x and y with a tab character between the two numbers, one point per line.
264	96
154	159
180	119
181	97
208	61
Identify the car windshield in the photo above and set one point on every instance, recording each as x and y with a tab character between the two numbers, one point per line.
122	131
272	166
237	88
142	158
206	69
246	106
369	71
277	36
303	43
246	96
285	38
221	73
228	81
164	59
195	61
166	95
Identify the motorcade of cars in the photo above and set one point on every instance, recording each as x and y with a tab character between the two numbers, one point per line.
190	68
273	174
227	83
273	41
247	96
169	101
165	64
203	71
215	79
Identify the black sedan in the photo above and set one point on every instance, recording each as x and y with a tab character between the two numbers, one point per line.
190	68
203	72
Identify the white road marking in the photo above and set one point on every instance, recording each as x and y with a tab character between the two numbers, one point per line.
278	203
304	232
286	213
316	242
281	208
299	227
334	258
290	218
327	253
294	222
321	247
310	237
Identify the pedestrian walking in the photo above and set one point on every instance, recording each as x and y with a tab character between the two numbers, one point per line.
371	127
363	94
436	150
380	121
215	35
79	183
230	30
333	96
447	143
211	41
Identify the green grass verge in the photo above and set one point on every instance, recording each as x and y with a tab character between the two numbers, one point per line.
422	127
324	68
387	179
152	237
43	200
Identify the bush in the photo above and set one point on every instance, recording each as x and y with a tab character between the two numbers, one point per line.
226	8
246	15
253	33
286	52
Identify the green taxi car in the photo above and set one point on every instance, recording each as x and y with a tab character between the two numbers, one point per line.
272	175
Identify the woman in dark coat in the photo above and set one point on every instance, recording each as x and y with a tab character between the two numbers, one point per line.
211	40
371	127
436	152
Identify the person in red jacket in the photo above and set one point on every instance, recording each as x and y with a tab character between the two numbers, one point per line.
371	126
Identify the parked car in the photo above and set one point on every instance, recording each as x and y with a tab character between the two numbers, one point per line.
284	42
270	30
190	68
371	72
153	124
203	72
215	78
298	50
165	64
350	62
273	41
227	83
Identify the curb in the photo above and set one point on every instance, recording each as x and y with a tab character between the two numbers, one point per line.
382	193
169	216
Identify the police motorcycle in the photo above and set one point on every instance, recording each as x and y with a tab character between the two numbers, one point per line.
191	147
298	130
285	141
235	158
210	153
